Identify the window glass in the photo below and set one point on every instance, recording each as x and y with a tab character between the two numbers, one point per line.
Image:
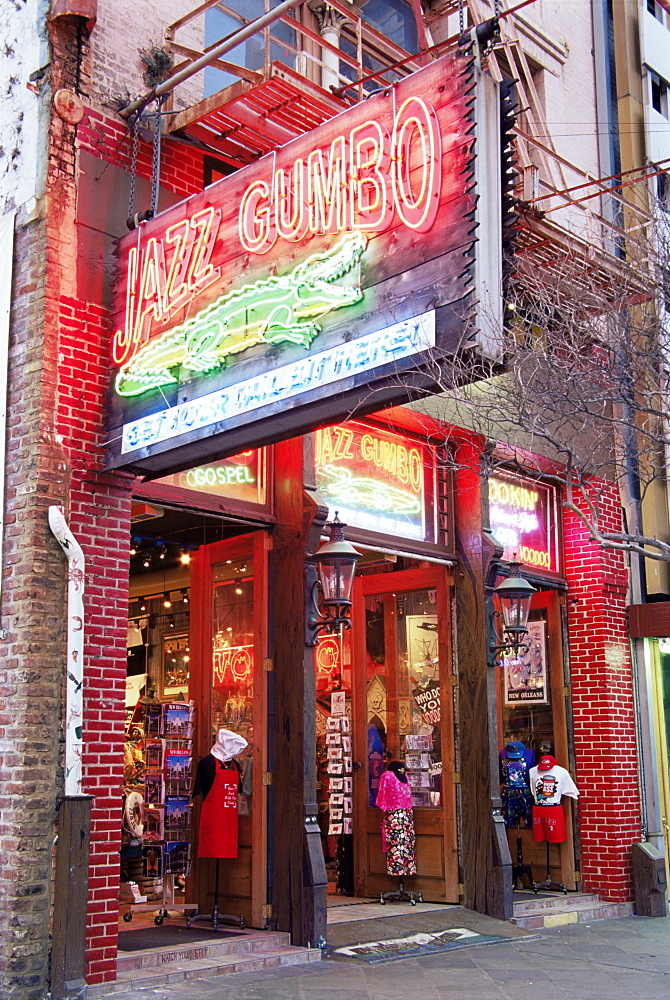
233	664
403	692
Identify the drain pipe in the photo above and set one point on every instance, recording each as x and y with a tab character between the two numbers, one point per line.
205	60
74	700
68	943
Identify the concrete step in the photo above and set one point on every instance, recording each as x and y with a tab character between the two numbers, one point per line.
552	902
199	968
571	913
238	943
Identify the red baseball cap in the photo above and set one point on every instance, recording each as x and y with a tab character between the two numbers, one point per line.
546	762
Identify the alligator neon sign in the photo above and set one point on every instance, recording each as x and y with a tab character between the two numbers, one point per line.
274	310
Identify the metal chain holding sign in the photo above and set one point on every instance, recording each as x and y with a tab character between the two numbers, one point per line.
133	168
156	165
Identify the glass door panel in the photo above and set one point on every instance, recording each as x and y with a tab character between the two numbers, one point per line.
403	708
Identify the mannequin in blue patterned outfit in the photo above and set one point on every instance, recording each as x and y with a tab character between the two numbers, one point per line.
516	761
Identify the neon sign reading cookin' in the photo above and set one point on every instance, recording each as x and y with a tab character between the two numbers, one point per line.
519	521
362	182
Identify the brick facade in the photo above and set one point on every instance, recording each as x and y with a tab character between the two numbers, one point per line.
58	377
603	705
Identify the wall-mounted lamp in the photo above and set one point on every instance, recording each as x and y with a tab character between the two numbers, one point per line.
184	595
335	563
512	597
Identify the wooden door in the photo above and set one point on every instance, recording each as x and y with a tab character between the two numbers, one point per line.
229	688
402	690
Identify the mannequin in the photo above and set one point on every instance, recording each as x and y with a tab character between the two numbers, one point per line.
394	798
516	760
218	781
549	782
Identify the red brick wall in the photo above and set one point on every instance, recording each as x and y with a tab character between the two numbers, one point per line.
100	519
603	707
110	140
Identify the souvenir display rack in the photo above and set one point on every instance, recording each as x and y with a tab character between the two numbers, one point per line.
162	763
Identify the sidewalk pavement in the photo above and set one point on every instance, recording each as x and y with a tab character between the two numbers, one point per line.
628	958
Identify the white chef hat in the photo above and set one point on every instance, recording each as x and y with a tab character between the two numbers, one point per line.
228	744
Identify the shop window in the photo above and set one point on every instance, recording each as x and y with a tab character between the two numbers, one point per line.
233	665
403	692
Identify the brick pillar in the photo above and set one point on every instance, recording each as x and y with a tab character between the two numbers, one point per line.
100	519
603	705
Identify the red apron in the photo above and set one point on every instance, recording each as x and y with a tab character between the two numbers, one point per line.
218	816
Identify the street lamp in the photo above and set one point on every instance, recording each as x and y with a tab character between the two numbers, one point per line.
512	597
335	562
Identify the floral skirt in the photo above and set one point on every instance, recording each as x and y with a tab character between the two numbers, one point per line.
399	842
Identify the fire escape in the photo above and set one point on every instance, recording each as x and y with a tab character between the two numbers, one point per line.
315	59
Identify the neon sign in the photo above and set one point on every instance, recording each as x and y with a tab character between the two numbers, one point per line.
240	477
522	521
155	294
272	311
238	661
281	283
362	182
379	480
389	345
327	655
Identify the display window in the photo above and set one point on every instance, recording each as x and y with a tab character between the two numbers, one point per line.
380	481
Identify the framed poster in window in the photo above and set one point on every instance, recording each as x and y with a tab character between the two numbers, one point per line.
175	658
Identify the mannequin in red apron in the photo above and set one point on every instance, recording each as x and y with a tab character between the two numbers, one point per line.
218	781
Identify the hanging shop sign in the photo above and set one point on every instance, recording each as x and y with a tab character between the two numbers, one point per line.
304	283
378	480
526	674
522	516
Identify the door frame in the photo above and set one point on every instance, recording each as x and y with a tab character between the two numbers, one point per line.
438	577
254	544
563	867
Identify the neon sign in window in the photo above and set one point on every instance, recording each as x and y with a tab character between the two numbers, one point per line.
240	477
377	480
522	519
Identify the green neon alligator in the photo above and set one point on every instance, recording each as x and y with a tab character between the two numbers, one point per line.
273	310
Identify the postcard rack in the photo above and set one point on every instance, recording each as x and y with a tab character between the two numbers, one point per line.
166	813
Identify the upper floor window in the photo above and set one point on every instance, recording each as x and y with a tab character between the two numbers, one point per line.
655	9
659	94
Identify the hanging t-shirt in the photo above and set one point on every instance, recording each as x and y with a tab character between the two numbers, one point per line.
514	772
548	787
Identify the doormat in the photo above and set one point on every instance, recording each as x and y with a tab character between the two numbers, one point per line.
167	937
416	944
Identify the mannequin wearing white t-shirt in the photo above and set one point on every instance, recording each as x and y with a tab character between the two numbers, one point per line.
549	782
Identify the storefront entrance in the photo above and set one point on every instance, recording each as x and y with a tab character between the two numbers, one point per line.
385	693
229	688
